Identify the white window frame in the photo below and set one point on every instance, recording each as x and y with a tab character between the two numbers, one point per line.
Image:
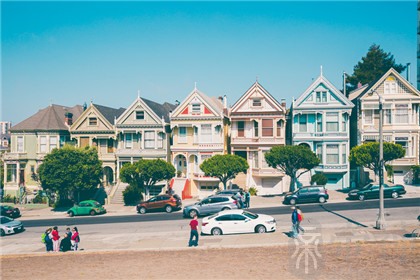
333	150
257	102
182	136
43	144
149	139
128	140
332	119
20	145
365	116
53	143
196	108
303	126
401	114
90	119
206	133
160	139
140	114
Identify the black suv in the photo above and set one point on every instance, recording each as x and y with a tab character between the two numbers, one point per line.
307	194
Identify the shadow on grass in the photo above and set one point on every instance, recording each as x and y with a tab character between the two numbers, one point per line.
344	217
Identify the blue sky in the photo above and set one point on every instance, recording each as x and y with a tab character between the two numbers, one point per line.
68	53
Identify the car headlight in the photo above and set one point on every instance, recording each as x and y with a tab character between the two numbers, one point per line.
271	221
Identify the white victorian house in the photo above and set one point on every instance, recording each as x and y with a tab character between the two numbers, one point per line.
257	124
320	120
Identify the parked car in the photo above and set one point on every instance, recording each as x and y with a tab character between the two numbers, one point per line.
165	202
210	205
307	194
372	191
9	211
86	207
228	192
237	221
9	226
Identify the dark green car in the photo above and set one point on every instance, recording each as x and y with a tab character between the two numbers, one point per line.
372	191
86	207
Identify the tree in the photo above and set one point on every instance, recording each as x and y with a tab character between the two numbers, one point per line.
367	155
70	170
1	174
290	159
372	66
224	167
319	179
145	173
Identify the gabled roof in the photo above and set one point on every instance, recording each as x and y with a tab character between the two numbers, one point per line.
109	113
49	118
378	82
216	106
315	84
257	87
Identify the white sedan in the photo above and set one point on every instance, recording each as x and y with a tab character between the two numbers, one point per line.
237	221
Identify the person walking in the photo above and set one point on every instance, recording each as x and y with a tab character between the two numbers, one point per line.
247	199
75	239
294	232
55	239
194	232
300	219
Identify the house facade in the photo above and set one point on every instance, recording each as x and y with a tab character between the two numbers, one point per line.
199	130
96	128
31	140
258	124
142	132
320	120
401	105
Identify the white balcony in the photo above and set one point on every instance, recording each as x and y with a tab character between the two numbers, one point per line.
267	172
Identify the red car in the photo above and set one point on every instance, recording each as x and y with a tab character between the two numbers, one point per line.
161	202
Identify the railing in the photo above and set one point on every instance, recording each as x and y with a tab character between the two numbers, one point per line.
12	156
332	166
140	152
210	146
321	134
266	172
258	140
200	175
404	161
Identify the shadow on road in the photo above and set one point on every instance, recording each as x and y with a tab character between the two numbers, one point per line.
343	217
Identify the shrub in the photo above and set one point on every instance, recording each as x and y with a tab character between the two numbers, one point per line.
39	199
9	198
319	179
416	174
132	195
65	202
253	191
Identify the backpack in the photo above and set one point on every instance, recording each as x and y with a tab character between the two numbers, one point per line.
43	238
300	216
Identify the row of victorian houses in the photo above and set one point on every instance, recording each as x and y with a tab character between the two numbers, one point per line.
201	126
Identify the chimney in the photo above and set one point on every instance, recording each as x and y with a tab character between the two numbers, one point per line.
68	118
225	101
283	103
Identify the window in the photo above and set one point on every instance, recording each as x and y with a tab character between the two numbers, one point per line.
256	103
53	143
319	123
401	113
255	159
388	116
319	151
128	140
368	116
160	138
332	154
11	173
344	153
110	148
237	217
182	134
344	122
302	123
390	85
263	161
404	144
19	147
332	122
139	115
43	144
255	129
196	108
267	127
93	121
149	139
206	133
279	127
195	129
321	96
241	128
64	139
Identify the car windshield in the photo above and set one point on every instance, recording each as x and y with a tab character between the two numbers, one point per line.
367	187
97	204
250	215
6	220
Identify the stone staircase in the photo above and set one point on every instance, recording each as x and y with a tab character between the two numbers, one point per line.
117	197
178	185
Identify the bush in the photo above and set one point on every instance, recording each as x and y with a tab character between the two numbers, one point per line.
65	202
132	195
253	191
39	199
9	198
319	179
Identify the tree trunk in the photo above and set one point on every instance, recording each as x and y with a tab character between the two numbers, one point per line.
224	184
292	183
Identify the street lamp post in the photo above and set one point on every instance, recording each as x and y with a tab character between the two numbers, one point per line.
380	222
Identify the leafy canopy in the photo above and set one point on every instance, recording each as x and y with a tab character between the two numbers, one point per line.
290	159
224	167
373	66
1	174
367	154
70	169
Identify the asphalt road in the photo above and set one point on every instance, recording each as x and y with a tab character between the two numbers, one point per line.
283	209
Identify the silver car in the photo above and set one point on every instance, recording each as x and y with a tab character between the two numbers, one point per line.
210	205
9	226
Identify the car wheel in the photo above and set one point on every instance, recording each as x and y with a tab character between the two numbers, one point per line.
168	208
292	201
394	195
260	229
92	212
2	233
361	197
225	208
71	213
192	213
142	210
321	199
216	231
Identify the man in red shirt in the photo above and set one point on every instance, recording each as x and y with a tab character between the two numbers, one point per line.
194	232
